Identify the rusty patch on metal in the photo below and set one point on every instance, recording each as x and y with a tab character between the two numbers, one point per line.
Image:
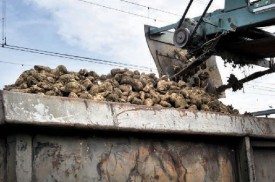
131	159
154	162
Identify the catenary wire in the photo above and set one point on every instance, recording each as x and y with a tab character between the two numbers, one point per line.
61	55
264	83
79	58
273	95
260	86
122	11
21	64
149	7
200	2
263	89
251	87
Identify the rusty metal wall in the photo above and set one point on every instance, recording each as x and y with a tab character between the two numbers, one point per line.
31	157
2	160
19	158
130	159
264	160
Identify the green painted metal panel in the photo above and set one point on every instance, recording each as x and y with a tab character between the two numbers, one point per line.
232	5
234	20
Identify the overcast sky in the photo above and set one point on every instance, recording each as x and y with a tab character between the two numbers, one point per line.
75	27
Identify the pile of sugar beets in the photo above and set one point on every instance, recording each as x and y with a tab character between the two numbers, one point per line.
121	85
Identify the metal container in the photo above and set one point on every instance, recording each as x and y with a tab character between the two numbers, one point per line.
59	139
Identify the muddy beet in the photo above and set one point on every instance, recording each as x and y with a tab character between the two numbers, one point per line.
121	85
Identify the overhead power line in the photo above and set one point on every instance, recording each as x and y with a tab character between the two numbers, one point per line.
260	86
122	11
78	58
260	94
263	89
61	55
7	62
160	10
149	7
264	83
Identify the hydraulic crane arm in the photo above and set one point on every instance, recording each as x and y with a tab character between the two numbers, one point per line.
235	33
